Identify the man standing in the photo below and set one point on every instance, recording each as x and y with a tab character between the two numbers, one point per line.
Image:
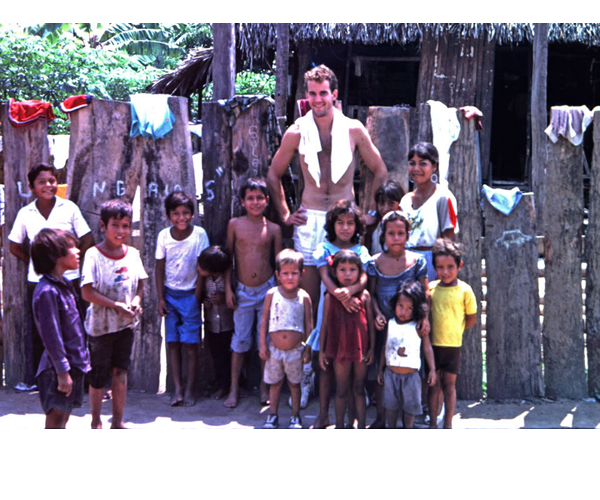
326	141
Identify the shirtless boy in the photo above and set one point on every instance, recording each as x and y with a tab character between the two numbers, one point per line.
254	241
326	148
286	320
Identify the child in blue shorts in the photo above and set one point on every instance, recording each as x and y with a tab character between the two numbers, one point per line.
177	250
254	241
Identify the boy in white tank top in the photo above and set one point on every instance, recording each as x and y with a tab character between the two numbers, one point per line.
286	319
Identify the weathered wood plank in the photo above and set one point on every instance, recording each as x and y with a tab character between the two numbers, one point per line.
216	163
24	147
166	166
464	182
389	128
592	257
223	72
513	333
564	369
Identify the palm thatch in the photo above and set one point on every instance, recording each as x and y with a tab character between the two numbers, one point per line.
254	39
188	78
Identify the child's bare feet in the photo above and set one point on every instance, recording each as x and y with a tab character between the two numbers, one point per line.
231	401
176	400
218	394
321	423
189	400
378	424
120	425
97	425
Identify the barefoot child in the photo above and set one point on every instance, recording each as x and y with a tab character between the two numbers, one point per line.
111	281
344	227
177	250
347	338
213	263
65	358
286	319
254	241
388	270
453	310
402	356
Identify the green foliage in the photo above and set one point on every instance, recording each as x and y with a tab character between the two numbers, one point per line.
248	83
51	70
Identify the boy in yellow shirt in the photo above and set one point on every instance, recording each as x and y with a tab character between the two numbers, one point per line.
453	310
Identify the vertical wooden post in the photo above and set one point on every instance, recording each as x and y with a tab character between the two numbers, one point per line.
564	369
389	128
249	149
592	275
24	147
539	117
223	66
102	160
464	182
281	70
513	334
167	166
216	168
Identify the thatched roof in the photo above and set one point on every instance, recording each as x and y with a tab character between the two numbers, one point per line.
254	39
188	78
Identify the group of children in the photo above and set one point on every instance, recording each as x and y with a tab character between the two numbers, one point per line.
375	311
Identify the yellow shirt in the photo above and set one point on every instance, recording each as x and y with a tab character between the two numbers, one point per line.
450	306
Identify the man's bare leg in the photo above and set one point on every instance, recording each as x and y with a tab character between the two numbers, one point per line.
237	362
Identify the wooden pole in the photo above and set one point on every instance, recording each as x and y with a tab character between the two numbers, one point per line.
513	334
166	166
464	182
563	309
223	65
539	117
592	281
216	163
24	147
282	69
389	128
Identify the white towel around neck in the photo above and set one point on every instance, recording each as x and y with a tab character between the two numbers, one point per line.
310	145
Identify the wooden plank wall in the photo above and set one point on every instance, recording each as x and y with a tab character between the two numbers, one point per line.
24	147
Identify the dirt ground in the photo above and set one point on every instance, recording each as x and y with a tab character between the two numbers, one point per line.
22	410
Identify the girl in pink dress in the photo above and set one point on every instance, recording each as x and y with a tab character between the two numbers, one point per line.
347	339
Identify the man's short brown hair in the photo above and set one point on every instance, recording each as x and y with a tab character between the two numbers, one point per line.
319	74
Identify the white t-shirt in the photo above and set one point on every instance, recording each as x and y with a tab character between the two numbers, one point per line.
116	279
431	219
406	336
181	257
29	222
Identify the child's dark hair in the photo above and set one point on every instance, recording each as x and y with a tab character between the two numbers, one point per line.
415	292
216	259
289	256
48	246
116	208
425	150
391	217
40	167
342	207
253	184
177	199
389	190
445	246
344	256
